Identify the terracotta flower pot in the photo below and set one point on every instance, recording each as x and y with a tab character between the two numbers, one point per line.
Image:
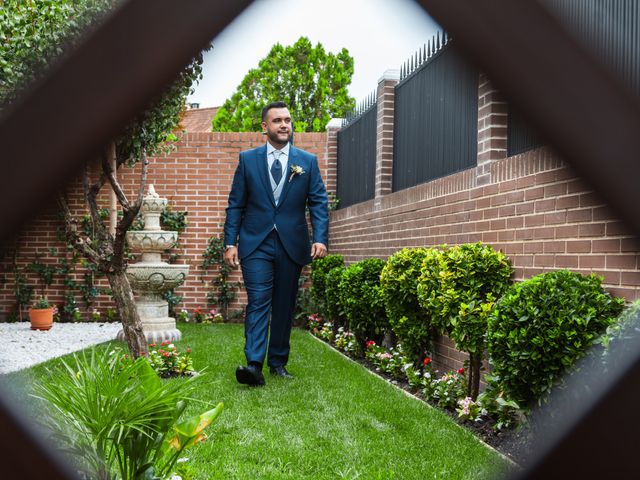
41	318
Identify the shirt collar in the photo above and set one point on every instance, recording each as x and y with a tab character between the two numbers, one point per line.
285	149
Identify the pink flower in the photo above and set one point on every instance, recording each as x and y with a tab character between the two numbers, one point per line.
461	371
188	350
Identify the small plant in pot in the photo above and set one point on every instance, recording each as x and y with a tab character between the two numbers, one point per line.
41	314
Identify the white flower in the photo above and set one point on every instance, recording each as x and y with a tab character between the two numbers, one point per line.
296	170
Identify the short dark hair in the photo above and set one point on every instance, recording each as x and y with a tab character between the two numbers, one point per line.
270	106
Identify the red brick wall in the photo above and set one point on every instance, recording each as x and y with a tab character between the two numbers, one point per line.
196	177
532	207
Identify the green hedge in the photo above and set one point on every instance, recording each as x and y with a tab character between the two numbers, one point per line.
410	322
320	267
541	326
334	311
362	302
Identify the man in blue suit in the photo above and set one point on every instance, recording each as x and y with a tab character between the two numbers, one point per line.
266	232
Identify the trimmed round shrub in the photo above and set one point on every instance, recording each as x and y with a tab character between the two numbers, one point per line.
399	282
542	326
319	269
332	294
362	302
466	281
428	286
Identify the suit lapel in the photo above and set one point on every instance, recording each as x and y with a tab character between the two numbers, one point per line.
263	171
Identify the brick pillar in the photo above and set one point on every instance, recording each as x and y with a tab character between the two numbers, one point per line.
492	128
331	176
384	134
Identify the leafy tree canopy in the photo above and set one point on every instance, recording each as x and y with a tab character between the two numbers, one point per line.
310	80
34	34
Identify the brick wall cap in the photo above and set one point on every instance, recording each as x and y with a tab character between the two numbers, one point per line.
391	74
335	123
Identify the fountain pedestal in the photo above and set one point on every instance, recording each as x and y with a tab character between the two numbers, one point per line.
151	277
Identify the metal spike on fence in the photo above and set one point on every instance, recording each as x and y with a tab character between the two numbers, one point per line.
417	60
445	38
438	36
424	53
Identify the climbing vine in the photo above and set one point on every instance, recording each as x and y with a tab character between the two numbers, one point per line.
223	293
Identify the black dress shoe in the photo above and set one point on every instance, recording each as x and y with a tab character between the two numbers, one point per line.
280	372
250	375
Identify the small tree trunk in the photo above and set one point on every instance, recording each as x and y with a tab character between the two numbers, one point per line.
113	198
475	362
125	303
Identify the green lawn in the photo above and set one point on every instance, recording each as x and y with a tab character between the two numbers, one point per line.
334	420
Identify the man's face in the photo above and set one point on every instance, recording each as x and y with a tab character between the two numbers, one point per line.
278	126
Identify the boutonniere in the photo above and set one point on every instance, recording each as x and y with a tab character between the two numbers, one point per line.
296	170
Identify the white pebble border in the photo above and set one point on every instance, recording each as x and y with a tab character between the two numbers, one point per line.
23	347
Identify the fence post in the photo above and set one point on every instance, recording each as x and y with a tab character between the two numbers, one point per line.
492	128
331	175
384	134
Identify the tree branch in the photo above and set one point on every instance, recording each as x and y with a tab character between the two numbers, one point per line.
129	214
110	174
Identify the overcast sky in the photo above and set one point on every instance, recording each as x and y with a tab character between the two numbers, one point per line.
379	34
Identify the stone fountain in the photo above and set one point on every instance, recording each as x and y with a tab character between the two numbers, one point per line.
151	277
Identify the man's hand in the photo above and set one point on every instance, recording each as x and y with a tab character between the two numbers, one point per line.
318	250
231	257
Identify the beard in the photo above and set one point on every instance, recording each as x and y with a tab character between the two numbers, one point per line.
279	138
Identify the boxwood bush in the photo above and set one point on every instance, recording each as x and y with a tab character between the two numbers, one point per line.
362	302
466	281
320	267
333	307
541	326
399	282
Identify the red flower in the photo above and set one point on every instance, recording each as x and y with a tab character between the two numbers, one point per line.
461	371
370	343
152	345
427	360
188	350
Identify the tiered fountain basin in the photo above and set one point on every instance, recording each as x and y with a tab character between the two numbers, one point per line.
151	277
151	241
156	278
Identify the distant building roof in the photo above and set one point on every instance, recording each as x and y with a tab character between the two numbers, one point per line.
198	119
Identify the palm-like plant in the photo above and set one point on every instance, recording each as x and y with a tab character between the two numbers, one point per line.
119	419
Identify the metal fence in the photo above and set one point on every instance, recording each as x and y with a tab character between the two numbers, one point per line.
436	115
610	30
357	155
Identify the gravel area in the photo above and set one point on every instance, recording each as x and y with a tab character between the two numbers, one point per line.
23	347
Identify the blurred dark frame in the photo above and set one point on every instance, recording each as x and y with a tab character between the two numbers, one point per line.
81	104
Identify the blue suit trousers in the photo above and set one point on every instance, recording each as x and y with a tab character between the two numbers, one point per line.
271	282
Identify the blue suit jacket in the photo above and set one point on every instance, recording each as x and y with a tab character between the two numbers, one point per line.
252	212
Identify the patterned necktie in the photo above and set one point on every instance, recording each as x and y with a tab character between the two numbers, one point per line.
276	167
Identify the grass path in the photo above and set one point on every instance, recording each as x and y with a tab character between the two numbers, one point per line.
334	420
